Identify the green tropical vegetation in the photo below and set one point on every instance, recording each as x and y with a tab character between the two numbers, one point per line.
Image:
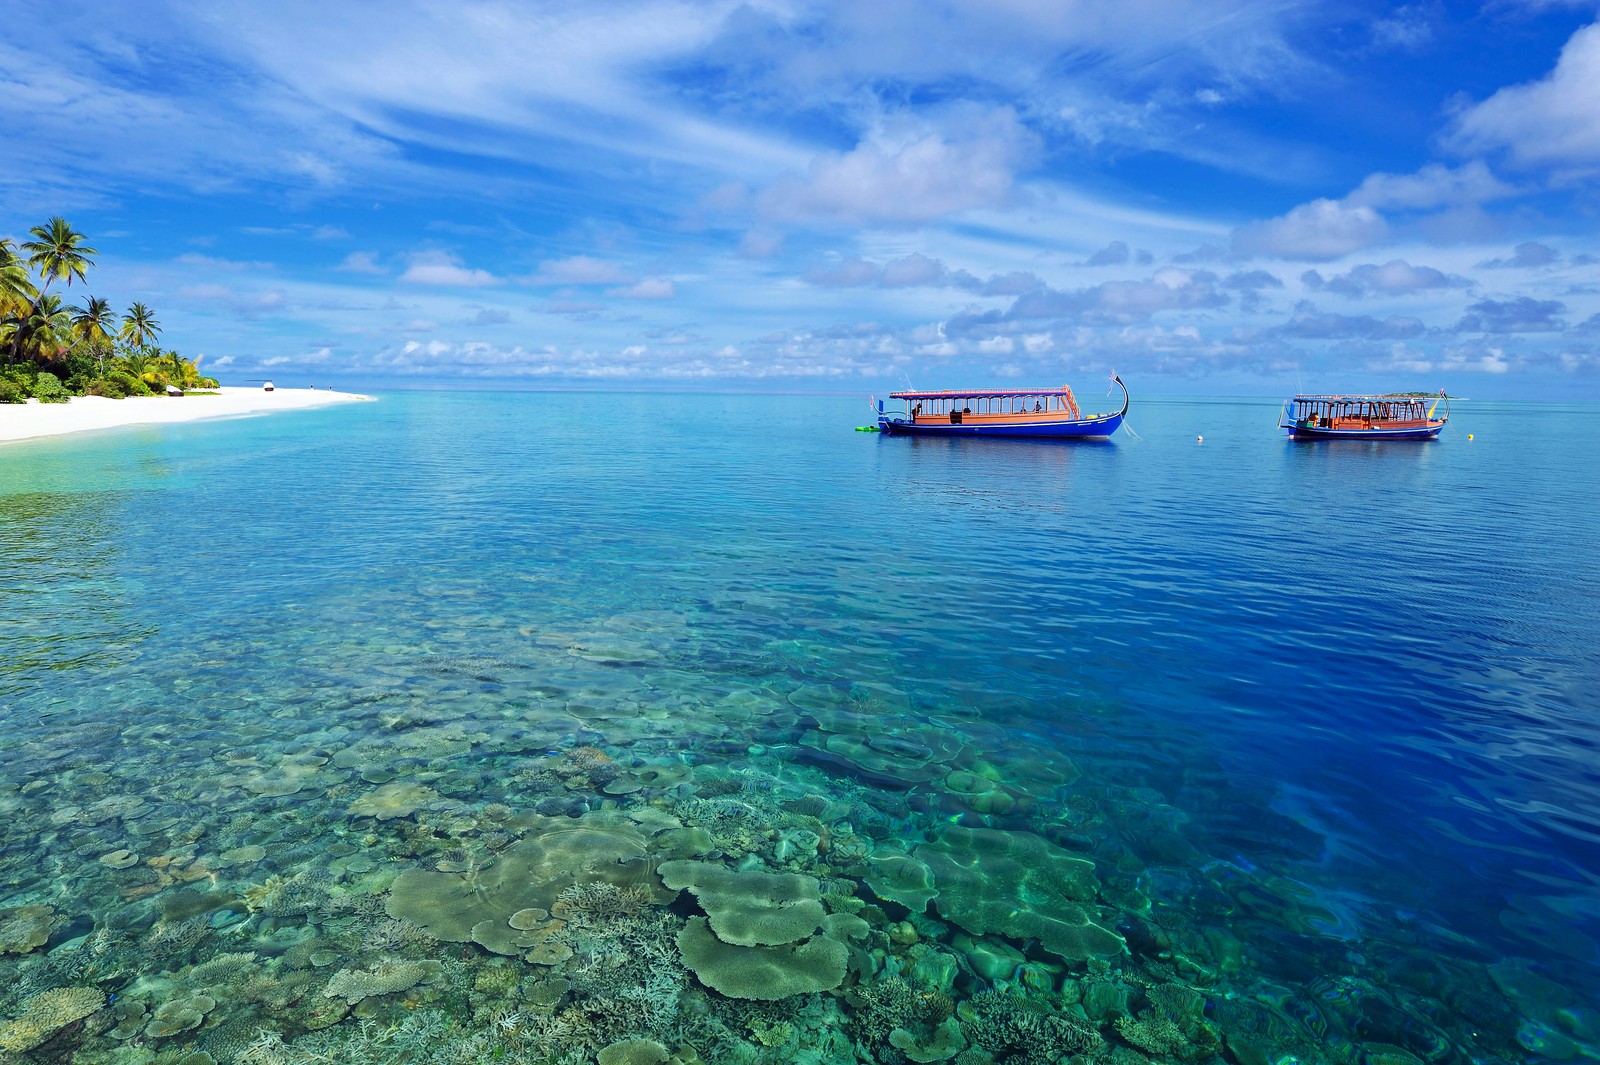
53	351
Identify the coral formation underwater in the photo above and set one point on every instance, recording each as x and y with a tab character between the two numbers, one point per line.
483	866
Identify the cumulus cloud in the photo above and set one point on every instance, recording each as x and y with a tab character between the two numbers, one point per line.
360	262
1251	286
1433	186
1474	358
1113	254
914	269
1393	278
1553	122
1317	231
1309	323
442	269
909	181
1521	315
1252	280
1109	303
1527	254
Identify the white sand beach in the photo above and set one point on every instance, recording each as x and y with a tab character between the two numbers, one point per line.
30	421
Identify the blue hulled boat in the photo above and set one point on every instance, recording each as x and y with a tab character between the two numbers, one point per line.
1020	413
1385	417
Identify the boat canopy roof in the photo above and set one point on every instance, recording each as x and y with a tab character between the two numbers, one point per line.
983	393
1388	397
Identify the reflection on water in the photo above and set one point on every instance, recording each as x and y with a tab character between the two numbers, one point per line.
608	735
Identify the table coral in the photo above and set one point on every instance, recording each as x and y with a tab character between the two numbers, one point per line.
1020	885
558	854
750	908
764	973
386	978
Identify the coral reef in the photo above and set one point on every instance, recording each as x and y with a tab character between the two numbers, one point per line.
386	978
750	908
765	973
45	1014
25	928
1020	885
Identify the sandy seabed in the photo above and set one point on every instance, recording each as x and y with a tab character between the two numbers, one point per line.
30	421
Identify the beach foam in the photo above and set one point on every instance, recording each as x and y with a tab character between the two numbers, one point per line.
30	421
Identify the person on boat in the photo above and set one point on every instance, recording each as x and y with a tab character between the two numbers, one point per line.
916	411
1037	408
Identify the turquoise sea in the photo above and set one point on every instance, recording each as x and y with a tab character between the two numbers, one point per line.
573	727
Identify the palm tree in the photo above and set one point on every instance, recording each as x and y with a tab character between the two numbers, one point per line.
139	326
137	362
45	329
16	296
57	252
179	368
92	323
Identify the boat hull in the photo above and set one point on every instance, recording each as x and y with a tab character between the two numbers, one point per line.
1421	432
1082	428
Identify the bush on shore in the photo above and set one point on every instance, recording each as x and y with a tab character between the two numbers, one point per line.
11	392
49	389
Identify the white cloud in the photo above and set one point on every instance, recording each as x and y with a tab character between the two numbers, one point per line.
1526	255
651	288
208	262
930	176
361	262
1554	122
1317	231
760	244
442	269
579	270
1395	277
1431	187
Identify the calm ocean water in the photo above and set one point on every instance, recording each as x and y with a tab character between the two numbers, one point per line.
1323	717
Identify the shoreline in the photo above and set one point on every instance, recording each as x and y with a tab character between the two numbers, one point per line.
36	421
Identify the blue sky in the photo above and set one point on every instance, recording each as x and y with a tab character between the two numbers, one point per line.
1247	197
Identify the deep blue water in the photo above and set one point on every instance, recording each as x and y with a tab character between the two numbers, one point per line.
1323	715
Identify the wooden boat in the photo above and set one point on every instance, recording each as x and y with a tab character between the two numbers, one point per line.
1385	417
1012	413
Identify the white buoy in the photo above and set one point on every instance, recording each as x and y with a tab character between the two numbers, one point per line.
1199	439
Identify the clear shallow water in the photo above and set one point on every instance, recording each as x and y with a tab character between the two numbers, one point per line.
1322	717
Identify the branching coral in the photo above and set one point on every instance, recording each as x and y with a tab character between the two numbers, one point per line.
1008	1022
